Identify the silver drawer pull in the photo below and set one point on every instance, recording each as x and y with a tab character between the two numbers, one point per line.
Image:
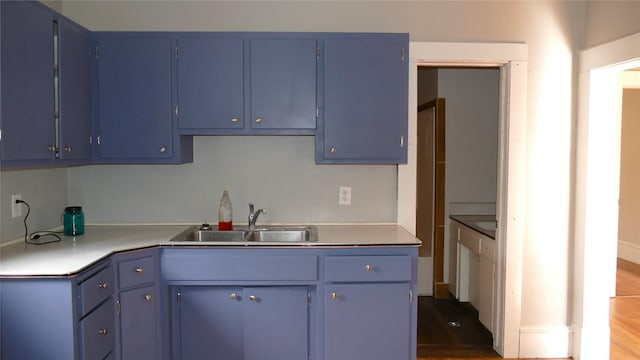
234	120
147	297
103	285
163	149
138	271
234	296
252	298
334	296
333	150
368	267
258	120
103	331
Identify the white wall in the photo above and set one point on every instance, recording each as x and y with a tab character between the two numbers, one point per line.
610	20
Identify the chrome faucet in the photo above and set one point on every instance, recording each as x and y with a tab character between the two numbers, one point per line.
253	216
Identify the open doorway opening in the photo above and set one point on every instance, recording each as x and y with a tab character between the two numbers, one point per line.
457	159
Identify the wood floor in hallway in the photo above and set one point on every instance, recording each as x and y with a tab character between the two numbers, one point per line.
439	341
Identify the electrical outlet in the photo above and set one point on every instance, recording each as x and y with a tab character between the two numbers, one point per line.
344	195
16	209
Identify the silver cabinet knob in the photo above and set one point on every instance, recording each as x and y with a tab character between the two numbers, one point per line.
147	297
258	120
103	331
234	297
103	285
334	296
333	150
368	267
234	120
52	148
67	148
138	271
163	149
252	298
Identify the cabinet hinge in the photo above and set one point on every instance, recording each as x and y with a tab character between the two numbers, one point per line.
401	141
177	110
309	297
97	53
118	307
317	111
90	139
179	298
410	296
99	140
176	51
0	134
402	54
317	53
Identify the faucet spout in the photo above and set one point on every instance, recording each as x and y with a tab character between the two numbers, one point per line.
253	216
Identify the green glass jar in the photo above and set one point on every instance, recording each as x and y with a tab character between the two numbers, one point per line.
73	221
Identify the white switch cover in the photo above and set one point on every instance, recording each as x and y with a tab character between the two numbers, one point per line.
16	209
344	195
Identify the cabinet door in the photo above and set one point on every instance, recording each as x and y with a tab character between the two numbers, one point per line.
134	97
210	83
28	127
283	84
485	293
75	92
138	324
211	323
365	101
275	323
367	321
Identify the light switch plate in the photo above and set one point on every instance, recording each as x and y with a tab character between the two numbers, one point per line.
344	195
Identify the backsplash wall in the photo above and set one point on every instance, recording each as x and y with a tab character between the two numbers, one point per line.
274	172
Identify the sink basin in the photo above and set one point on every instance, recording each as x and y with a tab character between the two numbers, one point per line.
289	234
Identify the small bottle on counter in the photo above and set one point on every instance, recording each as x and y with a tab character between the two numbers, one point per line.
225	213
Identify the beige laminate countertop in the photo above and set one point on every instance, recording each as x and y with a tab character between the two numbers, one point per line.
73	254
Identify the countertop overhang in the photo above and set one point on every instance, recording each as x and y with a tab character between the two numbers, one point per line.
75	253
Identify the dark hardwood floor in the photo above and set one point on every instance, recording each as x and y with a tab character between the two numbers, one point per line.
437	340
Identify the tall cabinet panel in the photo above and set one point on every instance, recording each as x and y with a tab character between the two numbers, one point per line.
75	92
283	83
365	101
134	109
210	83
28	127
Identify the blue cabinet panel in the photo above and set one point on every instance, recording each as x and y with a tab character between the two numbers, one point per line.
97	332
367	321
134	112
138	324
28	127
275	323
210	324
210	83
283	83
75	92
365	100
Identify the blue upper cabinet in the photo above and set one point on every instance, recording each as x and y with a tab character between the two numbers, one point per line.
247	83
210	83
134	113
28	126
46	92
283	83
364	116
75	92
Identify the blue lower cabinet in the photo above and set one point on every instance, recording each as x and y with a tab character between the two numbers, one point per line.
138	324
236	323
367	321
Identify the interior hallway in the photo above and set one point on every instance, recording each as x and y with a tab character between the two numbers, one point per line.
624	318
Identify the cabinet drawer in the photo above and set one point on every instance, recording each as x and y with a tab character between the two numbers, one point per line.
487	248
97	332
95	289
137	271
195	266
470	239
367	268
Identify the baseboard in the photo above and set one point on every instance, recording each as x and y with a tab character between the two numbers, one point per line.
629	251
546	342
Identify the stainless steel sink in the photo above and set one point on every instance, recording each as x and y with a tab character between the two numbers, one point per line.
289	234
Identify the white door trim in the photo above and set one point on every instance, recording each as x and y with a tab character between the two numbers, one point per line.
512	60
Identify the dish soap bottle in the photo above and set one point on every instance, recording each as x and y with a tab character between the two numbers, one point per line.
225	213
